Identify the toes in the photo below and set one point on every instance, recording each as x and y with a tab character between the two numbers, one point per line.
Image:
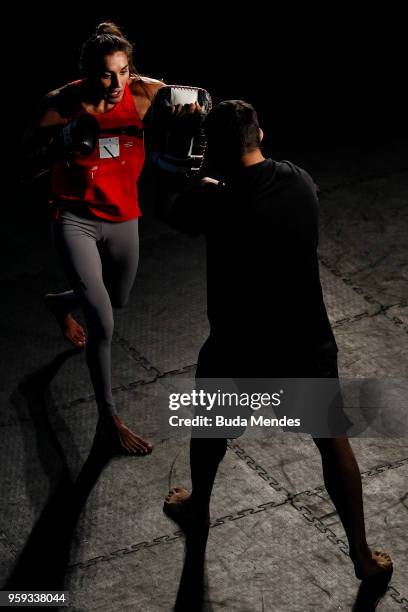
132	443
134	449
383	554
130	446
383	559
74	339
138	448
147	447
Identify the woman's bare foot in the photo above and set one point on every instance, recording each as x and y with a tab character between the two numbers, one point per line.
131	442
180	507
371	563
71	329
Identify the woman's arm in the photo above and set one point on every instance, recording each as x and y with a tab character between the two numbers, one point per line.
39	137
56	136
143	90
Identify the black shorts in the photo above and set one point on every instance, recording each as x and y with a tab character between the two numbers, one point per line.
312	391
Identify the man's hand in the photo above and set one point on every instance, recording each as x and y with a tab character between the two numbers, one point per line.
185	122
185	109
177	143
206	180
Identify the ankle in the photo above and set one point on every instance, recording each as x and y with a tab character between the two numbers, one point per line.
199	505
116	421
104	423
360	552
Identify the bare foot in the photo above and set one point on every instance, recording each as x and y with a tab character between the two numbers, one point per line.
374	584
131	442
179	497
71	329
374	562
114	433
179	506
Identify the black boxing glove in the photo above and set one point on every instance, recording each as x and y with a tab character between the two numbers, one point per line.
78	136
45	146
176	143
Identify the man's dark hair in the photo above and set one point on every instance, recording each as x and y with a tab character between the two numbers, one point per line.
232	128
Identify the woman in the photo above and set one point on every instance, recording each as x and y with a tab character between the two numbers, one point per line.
95	202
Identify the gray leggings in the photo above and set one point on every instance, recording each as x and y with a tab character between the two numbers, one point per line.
100	260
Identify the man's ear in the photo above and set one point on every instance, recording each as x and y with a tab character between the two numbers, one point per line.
261	135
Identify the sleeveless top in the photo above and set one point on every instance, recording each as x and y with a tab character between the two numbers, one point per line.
106	181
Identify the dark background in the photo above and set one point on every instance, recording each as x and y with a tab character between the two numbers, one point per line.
327	76
323	81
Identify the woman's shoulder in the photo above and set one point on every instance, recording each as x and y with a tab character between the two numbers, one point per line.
64	99
144	85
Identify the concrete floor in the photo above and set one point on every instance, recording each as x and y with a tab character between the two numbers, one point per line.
276	543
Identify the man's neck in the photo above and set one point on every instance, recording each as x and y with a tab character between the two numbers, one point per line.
252	157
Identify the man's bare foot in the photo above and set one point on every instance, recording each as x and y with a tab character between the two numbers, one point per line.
121	438
178	497
373	585
180	507
71	329
372	563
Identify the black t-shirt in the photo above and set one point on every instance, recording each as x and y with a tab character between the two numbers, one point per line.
263	285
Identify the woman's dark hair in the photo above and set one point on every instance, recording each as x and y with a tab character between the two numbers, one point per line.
108	39
232	127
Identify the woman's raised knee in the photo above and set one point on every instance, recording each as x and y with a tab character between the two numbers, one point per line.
101	324
120	301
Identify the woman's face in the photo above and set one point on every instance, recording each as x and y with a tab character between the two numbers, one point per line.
113	76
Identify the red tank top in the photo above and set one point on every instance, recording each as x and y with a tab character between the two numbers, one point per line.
105	181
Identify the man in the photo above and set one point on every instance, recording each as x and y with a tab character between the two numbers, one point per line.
265	304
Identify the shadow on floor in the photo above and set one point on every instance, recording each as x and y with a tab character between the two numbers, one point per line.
193	592
43	561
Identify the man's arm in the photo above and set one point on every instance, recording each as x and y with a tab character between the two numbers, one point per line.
186	205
